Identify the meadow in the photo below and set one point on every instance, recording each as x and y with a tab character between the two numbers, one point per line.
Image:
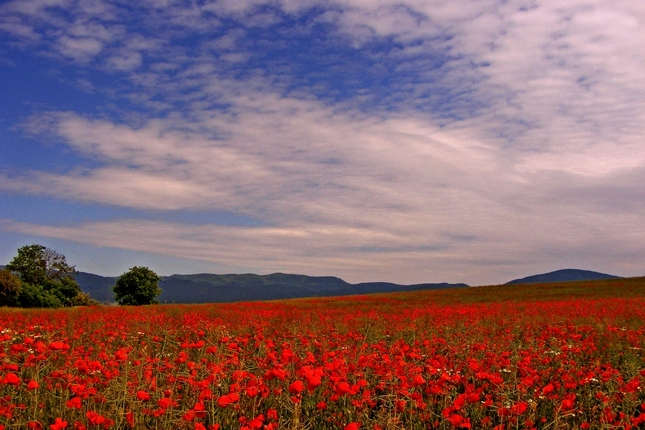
544	356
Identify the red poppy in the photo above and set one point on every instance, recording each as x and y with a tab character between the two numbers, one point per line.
74	403
143	395
228	399
165	402
296	387
59	424
11	379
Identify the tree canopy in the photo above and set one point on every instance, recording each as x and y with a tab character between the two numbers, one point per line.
137	286
35	264
45	279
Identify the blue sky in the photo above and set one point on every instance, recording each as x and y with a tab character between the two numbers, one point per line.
405	141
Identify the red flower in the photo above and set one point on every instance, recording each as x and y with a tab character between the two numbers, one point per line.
548	389
296	387
228	399
143	395
343	388
352	426
11	379
59	424
165	402
56	345
257	422
94	418
32	385
272	414
74	403
313	382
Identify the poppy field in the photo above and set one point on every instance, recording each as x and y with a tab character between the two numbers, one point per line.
545	356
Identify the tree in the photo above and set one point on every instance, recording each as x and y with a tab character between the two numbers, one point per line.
45	277
9	288
137	286
35	264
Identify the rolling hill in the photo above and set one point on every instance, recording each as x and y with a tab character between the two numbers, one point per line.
564	275
206	287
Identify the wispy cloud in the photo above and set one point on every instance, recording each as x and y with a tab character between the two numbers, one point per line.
369	138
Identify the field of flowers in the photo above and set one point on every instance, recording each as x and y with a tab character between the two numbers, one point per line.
544	356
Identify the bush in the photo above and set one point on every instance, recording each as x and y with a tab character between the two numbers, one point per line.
33	296
84	299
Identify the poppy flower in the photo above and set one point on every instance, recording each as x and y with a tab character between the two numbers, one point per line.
165	402
74	403
56	345
143	395
59	424
296	387
95	418
11	379
228	399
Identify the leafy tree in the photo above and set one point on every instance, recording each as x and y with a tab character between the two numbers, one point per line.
137	286
46	278
9	288
35	264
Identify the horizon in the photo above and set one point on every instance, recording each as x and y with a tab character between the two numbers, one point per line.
371	281
404	142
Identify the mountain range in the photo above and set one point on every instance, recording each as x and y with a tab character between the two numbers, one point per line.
206	287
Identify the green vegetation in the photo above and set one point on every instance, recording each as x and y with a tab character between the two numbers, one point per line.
138	286
9	288
39	277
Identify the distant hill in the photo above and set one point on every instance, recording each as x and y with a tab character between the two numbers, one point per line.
564	275
206	287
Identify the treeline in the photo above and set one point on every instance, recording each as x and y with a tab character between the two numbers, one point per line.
39	277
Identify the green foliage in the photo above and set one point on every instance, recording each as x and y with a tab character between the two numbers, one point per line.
29	264
138	286
66	289
33	296
45	277
9	288
35	264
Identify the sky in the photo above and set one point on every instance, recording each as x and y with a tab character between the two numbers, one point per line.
406	141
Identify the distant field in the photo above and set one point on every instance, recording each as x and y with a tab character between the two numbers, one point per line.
548	356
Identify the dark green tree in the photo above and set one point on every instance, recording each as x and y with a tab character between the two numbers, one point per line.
46	278
9	288
137	286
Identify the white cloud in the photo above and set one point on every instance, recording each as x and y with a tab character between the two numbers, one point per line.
525	164
79	48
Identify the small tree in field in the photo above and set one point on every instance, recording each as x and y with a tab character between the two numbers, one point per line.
137	286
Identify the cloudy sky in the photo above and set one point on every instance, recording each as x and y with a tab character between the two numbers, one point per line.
404	141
